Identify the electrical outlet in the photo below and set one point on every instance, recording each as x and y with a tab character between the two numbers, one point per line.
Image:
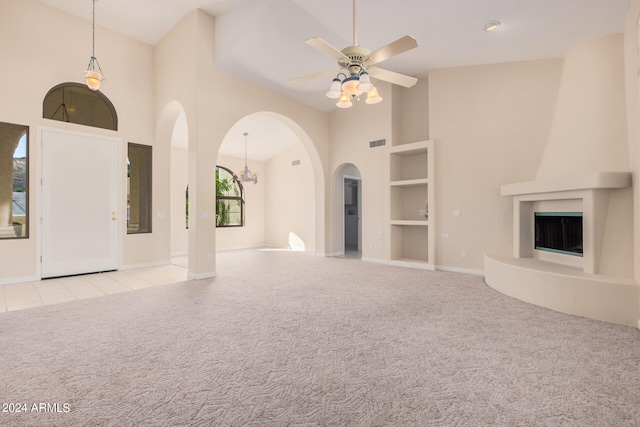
209	257
422	212
445	235
464	253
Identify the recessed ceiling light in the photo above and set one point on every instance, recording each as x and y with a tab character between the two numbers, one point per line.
491	25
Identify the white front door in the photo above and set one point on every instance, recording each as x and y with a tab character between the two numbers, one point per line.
80	194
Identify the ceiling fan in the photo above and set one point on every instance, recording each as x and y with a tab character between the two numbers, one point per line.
356	64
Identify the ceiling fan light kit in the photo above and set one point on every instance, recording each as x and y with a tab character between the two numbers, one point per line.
357	66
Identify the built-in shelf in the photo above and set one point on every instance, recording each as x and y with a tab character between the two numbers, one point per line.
418	222
411	199
409	182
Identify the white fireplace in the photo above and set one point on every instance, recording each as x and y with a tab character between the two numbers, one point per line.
588	194
584	169
566	283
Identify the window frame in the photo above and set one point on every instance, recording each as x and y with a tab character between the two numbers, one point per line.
148	198
239	198
26	226
67	117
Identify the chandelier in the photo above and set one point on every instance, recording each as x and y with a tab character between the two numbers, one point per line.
246	175
93	75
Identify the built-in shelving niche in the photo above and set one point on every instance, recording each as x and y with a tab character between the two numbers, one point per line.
411	207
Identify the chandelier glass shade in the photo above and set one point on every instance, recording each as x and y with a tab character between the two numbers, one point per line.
245	174
93	75
346	89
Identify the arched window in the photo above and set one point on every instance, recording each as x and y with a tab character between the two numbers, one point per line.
76	103
229	199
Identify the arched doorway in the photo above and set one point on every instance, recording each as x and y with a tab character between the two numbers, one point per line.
173	138
347	211
280	209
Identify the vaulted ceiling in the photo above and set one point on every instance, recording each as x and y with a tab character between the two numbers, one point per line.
264	40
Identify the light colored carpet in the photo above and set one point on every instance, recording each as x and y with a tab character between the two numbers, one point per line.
282	338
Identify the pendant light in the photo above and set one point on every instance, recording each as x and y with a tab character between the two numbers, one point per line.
93	75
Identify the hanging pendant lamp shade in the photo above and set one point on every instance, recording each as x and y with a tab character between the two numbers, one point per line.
93	75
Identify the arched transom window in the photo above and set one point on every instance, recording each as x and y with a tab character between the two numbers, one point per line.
75	103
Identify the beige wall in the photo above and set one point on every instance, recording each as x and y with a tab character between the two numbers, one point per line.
632	81
42	47
589	131
490	124
410	113
289	204
183	78
351	131
179	181
213	102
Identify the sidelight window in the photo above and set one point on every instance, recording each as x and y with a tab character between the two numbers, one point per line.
138	188
14	181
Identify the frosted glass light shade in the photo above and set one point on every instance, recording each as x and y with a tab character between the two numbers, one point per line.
373	97
350	85
93	79
365	84
344	101
334	90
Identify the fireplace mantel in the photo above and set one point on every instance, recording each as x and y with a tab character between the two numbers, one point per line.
591	181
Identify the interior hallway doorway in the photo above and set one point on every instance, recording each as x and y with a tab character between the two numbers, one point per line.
352	216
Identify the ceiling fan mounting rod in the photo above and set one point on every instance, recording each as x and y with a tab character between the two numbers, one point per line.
355	37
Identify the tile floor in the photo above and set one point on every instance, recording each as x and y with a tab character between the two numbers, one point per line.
54	291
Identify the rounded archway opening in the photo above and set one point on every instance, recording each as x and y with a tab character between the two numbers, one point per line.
347	212
280	207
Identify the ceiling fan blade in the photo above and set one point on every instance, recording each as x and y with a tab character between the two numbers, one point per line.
314	76
392	77
324	47
397	47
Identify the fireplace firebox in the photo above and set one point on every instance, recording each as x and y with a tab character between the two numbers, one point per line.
559	232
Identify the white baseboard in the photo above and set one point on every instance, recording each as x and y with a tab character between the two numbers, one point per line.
192	276
144	265
14	280
374	260
460	270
